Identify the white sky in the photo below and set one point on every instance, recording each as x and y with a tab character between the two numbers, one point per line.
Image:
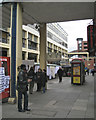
75	29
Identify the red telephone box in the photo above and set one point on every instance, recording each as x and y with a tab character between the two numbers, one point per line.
4	77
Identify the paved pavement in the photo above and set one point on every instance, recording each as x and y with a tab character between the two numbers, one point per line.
62	100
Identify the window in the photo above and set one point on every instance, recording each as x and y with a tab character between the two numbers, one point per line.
49	50
80	48
66	45
23	55
35	38
4	38
85	43
80	44
32	45
55	51
50	45
30	36
85	47
50	35
3	52
32	56
23	42
23	34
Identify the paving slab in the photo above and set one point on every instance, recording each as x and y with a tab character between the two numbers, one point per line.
61	100
44	113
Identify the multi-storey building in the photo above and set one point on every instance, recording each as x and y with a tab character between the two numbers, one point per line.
56	42
82	45
57	39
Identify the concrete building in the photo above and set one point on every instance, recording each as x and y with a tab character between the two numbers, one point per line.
57	42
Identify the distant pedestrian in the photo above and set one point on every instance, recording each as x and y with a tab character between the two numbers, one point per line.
22	87
31	75
60	74
87	71
39	79
44	80
92	71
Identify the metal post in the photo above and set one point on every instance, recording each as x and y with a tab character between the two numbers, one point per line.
13	51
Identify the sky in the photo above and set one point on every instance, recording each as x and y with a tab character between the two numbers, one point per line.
75	29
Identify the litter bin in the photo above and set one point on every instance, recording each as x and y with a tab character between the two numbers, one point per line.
77	71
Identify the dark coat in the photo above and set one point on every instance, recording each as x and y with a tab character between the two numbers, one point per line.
39	77
31	74
22	83
44	79
60	72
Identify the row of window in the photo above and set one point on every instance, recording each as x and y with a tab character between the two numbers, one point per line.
56	39
29	36
52	27
31	56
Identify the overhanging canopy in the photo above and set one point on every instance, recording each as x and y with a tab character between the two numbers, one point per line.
48	12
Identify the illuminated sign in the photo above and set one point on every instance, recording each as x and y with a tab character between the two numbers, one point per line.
90	34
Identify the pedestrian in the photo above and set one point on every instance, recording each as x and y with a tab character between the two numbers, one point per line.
60	74
87	71
44	80
39	79
22	87
31	75
92	72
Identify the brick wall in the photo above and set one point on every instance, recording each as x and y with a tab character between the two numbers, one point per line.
89	64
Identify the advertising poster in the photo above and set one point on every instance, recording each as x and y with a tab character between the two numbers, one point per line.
76	79
76	69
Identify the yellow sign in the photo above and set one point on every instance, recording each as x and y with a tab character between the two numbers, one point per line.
76	79
76	70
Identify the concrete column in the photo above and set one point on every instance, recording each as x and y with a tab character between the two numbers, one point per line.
43	46
26	55
38	56
19	37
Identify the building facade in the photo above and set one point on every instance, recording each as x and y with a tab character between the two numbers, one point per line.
82	45
57	42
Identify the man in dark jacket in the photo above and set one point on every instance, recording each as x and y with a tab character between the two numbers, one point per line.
60	74
44	80
31	75
39	79
22	87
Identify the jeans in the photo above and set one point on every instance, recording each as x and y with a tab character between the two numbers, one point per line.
20	100
43	89
60	78
31	85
